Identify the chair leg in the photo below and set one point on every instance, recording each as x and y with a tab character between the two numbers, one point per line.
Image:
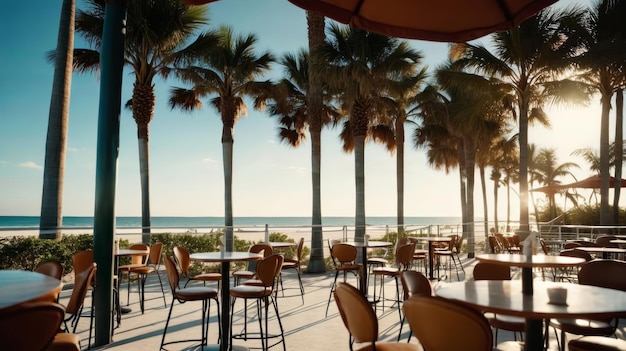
141	284
162	290
330	295
167	322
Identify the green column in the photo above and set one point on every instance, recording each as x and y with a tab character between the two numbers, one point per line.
111	65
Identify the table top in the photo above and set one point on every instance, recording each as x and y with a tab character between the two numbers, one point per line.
506	297
602	249
281	244
434	238
370	243
21	286
618	241
533	261
129	252
235	256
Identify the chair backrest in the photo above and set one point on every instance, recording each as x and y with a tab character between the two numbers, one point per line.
587	243
494	244
603	273
491	271
268	269
356	312
504	242
605	241
52	268
452	243
331	243
459	244
404	256
544	247
30	327
300	249
576	253
571	245
433	320
84	271
344	253
142	258
415	283
172	273
182	258
265	248
155	254
514	240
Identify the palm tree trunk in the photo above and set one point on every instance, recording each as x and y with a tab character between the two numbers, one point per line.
316	38
400	172
51	215
144	175
359	180
496	185
619	151
524	226
483	185
227	159
605	215
470	165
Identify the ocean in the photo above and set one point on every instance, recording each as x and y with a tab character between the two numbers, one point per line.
199	222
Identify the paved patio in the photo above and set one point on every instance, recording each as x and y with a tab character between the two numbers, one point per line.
306	327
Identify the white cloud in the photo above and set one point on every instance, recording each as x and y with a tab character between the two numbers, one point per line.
30	164
208	160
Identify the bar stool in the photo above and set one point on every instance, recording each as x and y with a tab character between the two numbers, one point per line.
260	289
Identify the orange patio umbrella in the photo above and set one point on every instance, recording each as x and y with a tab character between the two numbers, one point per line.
439	20
594	182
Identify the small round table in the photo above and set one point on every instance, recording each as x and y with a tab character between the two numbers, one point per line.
226	258
17	287
371	244
431	250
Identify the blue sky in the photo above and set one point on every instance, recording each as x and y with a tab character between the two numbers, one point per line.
270	178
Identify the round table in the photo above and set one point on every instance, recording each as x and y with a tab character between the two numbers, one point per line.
534	333
281	244
124	253
583	301
605	251
17	287
370	244
225	258
431	248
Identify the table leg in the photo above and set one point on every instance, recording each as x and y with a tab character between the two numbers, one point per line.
364	272
527	280
225	338
534	335
430	260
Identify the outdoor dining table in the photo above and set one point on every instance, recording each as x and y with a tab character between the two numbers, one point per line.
583	301
534	325
17	287
124	253
605	251
431	249
225	258
370	244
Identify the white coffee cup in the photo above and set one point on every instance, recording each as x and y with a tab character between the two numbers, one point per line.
557	295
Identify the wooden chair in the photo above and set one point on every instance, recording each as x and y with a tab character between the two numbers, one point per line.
433	320
413	284
34	326
250	270
596	343
294	264
404	262
52	268
490	271
260	289
570	273
84	272
451	255
195	293
494	245
602	273
151	267
344	256
360	320
181	255
136	262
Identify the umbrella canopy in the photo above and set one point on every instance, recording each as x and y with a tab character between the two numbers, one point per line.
593	182
440	20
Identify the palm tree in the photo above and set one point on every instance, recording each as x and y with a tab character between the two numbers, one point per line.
527	58
361	68
502	162
316	37
157	35
51	217
228	72
290	105
548	171
603	72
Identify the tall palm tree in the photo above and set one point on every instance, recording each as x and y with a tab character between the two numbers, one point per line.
404	103
227	71
316	37
619	150
603	73
290	105
157	35
502	162
526	58
361	68
51	217
548	172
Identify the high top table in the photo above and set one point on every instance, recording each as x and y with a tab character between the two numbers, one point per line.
371	244
431	250
17	287
226	258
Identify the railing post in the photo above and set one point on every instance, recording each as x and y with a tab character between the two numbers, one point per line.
267	233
